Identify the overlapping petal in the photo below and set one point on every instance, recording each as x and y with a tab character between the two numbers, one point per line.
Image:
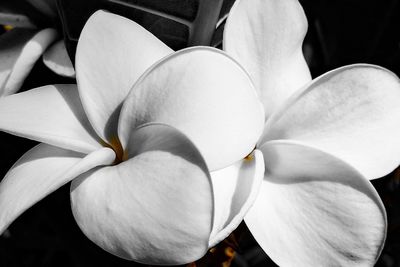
266	37
352	112
315	210
156	207
56	58
39	172
19	50
51	114
112	53
205	94
235	189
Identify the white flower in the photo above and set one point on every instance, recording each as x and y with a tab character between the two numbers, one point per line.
137	137
323	140
22	46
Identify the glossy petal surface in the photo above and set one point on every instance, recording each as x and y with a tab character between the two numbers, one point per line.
266	37
19	50
206	95
352	112
315	210
56	58
51	114
235	189
112	53
154	208
40	171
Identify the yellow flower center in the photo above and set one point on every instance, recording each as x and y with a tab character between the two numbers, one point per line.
7	27
249	157
115	145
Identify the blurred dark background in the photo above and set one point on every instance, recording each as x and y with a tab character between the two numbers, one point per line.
340	32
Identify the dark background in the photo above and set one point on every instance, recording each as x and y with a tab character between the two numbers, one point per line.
340	32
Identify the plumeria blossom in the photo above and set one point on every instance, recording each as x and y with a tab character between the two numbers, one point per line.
20	48
138	137
323	139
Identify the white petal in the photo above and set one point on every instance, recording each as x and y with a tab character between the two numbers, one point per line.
235	189
40	171
112	53
154	208
56	58
266	37
19	51
315	210
352	112
51	114
206	95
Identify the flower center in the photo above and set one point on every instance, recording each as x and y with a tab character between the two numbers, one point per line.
115	145
250	156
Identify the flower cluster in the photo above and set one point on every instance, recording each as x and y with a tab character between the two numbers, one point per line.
167	152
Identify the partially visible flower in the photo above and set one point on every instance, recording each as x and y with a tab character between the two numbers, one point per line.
137	137
323	140
20	48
